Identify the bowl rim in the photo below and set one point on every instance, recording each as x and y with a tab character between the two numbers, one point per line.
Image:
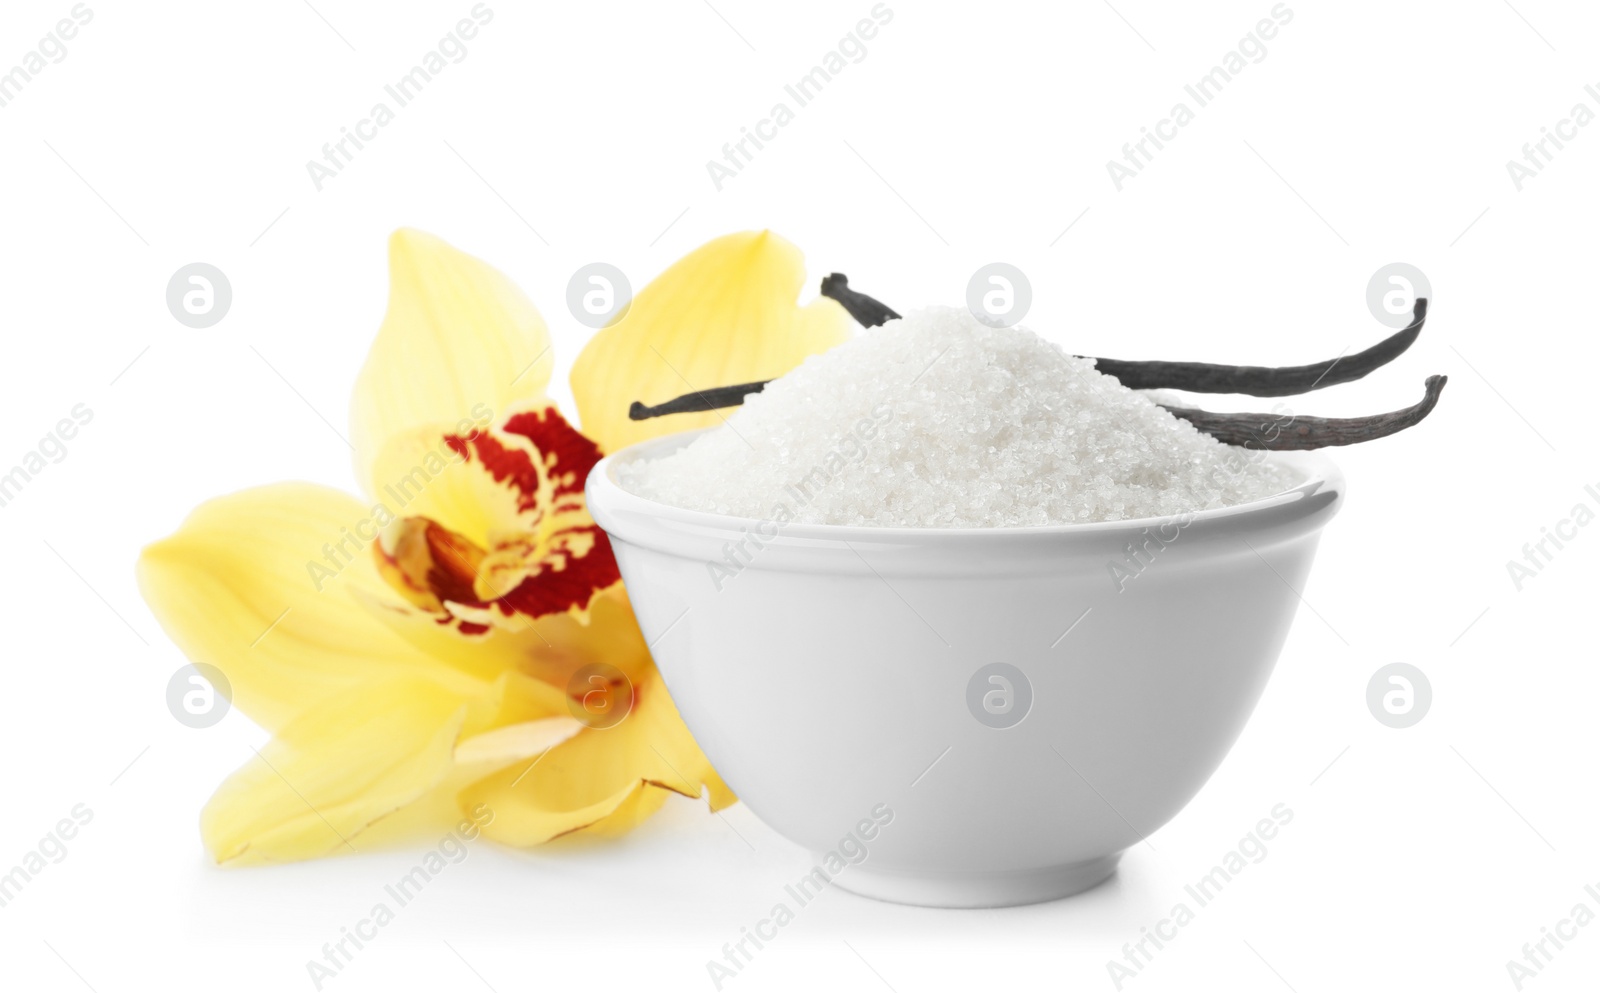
1320	478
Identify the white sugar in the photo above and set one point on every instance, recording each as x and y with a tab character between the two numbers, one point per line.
938	420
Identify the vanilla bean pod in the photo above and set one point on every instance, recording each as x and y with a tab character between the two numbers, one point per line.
1196	377
868	313
1265	381
1261	431
697	402
1290	432
836	286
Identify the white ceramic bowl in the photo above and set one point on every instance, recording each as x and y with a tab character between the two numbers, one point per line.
836	677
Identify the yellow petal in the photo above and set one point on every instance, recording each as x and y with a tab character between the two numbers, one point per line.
514	723
601	781
513	742
335	770
459	343
724	314
417	474
621	813
550	649
516	699
246	585
610	634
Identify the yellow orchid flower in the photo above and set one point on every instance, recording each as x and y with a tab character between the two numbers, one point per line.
430	652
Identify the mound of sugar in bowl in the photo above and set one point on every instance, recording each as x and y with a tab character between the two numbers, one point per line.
938	420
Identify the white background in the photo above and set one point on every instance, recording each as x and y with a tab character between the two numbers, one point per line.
1372	132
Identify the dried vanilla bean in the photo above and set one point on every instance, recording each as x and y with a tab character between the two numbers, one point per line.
698	402
1265	381
868	313
1261	431
1292	433
1196	377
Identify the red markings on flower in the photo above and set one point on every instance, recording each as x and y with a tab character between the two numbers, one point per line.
455	564
552	559
506	465
565	457
428	563
569	455
578	565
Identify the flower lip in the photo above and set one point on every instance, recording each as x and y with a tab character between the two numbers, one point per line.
624	515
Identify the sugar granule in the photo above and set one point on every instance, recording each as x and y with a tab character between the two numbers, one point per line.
938	420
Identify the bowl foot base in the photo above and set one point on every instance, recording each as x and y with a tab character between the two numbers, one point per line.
977	889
